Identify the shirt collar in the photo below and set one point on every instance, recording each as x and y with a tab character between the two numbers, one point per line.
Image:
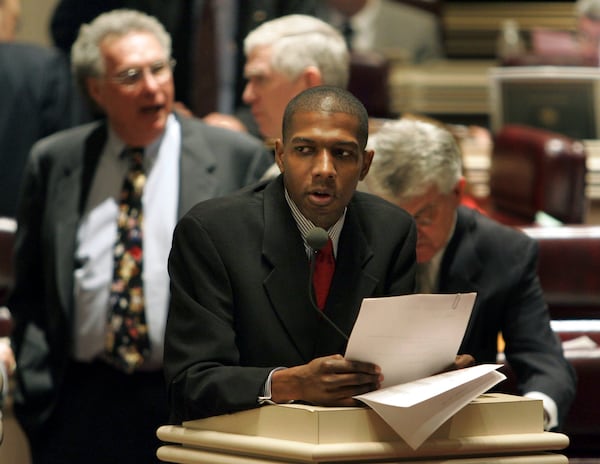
115	146
428	273
305	225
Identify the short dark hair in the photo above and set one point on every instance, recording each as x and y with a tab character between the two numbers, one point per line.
330	99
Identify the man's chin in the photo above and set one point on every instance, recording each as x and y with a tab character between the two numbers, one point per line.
424	257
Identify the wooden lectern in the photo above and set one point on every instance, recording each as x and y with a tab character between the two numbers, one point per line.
494	428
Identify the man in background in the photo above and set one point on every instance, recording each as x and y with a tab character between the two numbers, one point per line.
97	211
389	27
285	56
36	101
418	167
588	26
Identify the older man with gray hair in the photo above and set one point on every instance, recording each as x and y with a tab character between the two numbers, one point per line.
97	212
417	166
285	56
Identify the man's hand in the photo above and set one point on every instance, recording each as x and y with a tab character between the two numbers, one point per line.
327	381
225	120
463	360
7	357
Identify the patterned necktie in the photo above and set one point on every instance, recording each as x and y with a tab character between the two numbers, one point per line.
127	340
324	269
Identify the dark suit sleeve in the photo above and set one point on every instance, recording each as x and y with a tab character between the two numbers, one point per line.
261	161
200	327
532	348
59	104
26	300
28	304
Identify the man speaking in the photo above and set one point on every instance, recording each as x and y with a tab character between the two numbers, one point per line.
242	329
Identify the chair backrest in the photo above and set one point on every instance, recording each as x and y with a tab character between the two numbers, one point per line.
534	170
569	269
369	82
8	228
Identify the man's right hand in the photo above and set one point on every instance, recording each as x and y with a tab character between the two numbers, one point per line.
327	381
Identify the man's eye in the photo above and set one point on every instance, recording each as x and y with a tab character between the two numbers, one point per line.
129	75
257	80
158	66
304	149
342	153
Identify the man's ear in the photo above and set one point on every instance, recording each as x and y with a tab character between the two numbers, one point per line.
279	154
92	86
312	77
367	160
459	189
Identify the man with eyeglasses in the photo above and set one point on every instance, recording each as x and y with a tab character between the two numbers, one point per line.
417	166
84	394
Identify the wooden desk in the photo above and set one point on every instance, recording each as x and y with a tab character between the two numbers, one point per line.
358	435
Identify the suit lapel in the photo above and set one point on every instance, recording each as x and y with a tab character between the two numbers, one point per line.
72	189
461	262
287	285
197	164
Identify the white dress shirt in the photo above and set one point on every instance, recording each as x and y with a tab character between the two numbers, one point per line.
97	234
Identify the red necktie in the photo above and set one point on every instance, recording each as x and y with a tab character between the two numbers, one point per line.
324	268
127	340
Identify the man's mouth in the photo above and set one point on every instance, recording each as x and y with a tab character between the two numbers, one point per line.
320	196
151	109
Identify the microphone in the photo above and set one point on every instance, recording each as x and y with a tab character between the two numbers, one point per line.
316	239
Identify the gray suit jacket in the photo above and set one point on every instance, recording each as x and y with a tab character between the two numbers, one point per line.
57	180
399	26
239	287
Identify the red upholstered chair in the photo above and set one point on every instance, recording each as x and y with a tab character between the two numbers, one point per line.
534	170
569	269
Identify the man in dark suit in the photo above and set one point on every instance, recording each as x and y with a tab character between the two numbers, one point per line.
36	101
73	401
418	167
242	330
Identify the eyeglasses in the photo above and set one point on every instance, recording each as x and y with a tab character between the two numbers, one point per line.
426	215
131	77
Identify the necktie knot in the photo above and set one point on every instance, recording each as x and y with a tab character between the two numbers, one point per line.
135	155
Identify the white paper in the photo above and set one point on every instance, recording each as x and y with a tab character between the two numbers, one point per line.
410	336
416	409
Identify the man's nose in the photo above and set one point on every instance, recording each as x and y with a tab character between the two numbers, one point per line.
324	163
149	81
248	95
